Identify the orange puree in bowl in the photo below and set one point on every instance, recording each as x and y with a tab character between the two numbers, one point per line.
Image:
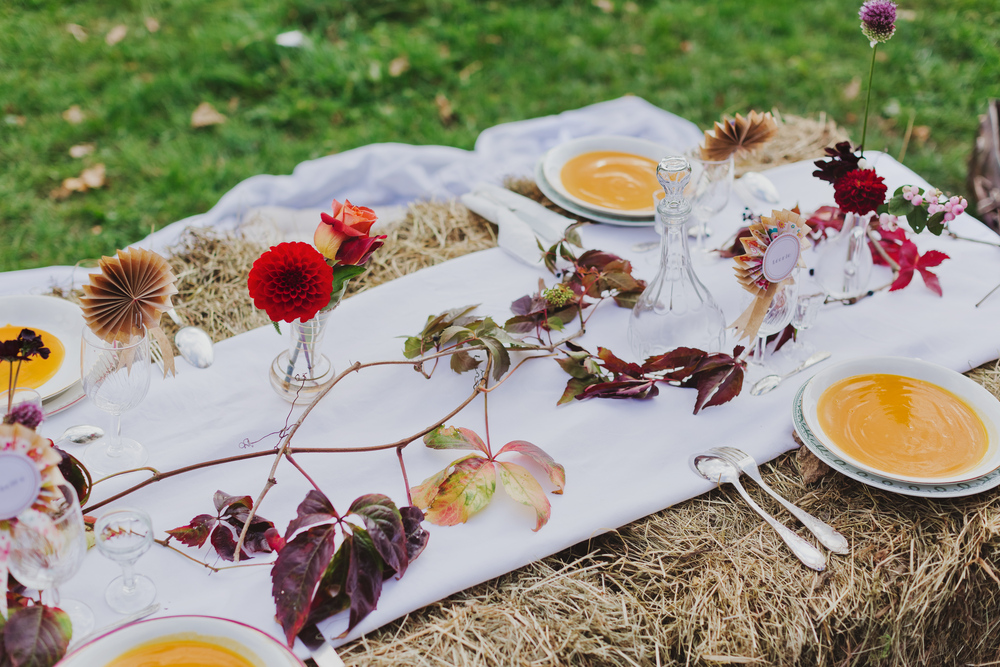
38	371
902	425
180	653
619	181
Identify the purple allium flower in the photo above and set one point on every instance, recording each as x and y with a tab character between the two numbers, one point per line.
878	20
27	414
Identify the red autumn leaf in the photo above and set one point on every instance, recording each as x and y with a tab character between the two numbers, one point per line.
904	252
638	388
617	366
196	532
464	491
224	542
735	249
825	218
296	572
223	501
315	507
35	636
450	437
678	363
364	577
384	524
555	471
416	536
718	379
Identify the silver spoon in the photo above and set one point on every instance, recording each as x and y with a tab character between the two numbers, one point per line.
84	434
719	470
769	382
194	344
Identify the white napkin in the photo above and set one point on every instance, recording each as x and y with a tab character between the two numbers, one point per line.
523	223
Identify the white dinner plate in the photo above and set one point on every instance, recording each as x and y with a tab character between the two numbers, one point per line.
557	199
986	406
258	648
59	317
555	159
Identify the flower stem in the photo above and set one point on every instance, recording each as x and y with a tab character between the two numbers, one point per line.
868	102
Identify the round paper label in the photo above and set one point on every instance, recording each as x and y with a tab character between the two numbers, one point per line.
20	484
781	257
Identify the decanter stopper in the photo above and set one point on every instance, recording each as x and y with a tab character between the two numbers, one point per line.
674	174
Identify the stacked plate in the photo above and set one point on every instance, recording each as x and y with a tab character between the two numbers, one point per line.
981	477
62	319
549	177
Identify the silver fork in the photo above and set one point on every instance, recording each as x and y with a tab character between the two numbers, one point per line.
825	533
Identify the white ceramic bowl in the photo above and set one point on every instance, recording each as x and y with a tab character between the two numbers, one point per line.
983	402
556	158
258	648
60	318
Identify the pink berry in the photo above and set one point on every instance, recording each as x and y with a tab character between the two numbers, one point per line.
917	200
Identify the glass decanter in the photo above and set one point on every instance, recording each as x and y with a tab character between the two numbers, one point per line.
676	309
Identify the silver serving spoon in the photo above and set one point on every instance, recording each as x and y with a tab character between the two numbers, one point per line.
84	434
769	382
719	470
194	344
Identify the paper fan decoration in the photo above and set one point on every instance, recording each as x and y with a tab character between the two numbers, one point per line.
771	252
739	134
132	289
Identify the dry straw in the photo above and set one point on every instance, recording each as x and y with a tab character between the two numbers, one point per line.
703	582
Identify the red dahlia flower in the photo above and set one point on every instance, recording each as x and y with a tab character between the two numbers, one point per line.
343	237
289	281
860	191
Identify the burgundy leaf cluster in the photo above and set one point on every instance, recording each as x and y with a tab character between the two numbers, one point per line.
223	529
34	636
718	377
904	252
335	565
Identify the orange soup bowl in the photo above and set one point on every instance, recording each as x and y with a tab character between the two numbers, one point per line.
250	646
639	150
904	419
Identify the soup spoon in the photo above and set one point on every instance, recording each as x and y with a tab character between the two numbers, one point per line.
194	344
84	434
769	382
719	470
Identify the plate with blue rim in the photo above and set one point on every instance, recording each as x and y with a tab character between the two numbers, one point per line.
985	482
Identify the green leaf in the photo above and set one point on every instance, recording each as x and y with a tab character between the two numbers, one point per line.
525	489
555	471
555	323
277	327
413	347
466	491
917	218
572	234
453	437
575	387
460	334
935	223
501	358
899	206
36	636
341	275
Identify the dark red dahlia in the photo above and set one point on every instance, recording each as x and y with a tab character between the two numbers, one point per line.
289	281
860	191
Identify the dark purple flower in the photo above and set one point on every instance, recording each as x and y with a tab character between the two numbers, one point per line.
28	414
840	160
878	20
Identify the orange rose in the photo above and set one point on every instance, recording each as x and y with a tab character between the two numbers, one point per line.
343	236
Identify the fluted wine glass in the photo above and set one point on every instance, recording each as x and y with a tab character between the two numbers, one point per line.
711	185
116	378
779	315
49	545
123	535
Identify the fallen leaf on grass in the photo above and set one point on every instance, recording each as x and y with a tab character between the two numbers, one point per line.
922	133
853	89
445	112
90	178
469	70
73	115
399	65
206	115
115	35
152	24
81	150
77	31
93	177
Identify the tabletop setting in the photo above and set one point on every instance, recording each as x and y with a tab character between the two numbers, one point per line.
223	443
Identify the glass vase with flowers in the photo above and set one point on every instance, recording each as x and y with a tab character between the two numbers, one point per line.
301	284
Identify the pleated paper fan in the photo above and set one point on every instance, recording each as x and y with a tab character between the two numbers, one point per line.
132	289
739	134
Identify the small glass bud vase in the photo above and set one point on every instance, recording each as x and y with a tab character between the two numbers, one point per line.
302	371
845	261
676	309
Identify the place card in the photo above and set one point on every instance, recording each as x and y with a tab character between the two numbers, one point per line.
20	484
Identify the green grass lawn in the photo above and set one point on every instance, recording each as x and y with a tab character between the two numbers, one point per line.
493	62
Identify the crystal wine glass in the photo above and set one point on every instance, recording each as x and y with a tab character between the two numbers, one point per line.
711	185
116	378
778	316
807	307
123	535
49	544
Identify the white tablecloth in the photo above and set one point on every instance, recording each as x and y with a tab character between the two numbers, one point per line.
623	459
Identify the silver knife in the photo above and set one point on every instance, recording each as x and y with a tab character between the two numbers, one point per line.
326	655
